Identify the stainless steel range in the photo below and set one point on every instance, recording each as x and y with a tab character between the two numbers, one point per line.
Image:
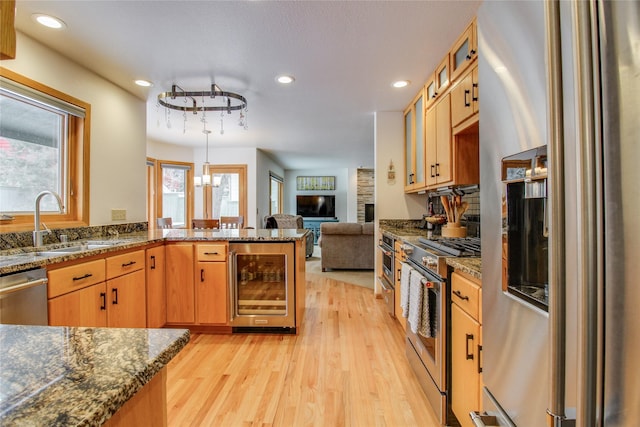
428	353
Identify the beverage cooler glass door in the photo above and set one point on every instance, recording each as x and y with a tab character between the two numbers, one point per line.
262	284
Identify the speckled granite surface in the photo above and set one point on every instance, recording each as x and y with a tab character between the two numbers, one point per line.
471	266
77	376
25	258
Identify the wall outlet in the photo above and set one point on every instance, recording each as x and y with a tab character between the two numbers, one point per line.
118	214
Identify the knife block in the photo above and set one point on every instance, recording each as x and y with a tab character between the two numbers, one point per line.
454	230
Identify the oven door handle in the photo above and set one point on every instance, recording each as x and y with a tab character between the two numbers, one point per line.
384	285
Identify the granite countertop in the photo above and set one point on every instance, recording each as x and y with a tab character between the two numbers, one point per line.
21	259
471	266
77	376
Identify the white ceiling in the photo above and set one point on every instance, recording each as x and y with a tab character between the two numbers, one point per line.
344	56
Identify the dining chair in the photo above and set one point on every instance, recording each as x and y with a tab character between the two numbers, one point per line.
205	223
231	221
164	223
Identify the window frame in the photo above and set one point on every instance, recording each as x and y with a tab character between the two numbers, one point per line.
280	196
188	167
207	193
77	157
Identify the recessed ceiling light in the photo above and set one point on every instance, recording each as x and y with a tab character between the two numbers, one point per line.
401	83
285	80
143	83
49	21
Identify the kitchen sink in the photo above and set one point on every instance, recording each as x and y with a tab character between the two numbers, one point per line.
72	249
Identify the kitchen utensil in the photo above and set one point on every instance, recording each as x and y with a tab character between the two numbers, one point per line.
461	209
447	207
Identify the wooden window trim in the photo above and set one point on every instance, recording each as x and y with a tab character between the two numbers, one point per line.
188	185
77	157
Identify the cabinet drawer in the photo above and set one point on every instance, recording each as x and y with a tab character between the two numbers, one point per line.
466	294
126	263
68	279
211	252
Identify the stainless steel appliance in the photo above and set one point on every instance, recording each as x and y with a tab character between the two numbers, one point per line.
525	228
565	75
261	286
23	298
428	356
387	277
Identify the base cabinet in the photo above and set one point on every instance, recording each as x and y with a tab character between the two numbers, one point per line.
156	289
84	307
211	284
466	348
179	283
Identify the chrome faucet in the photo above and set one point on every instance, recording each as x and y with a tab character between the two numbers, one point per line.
37	234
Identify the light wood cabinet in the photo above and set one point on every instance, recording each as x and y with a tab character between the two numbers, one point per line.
156	291
414	144
179	283
438	82
464	97
211	284
398	259
438	143
466	347
464	51
7	29
86	306
104	292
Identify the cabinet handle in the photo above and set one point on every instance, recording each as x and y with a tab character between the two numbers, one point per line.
479	359
432	175
114	292
471	53
459	295
474	96
103	296
437	169
82	277
469	338
202	274
212	253
153	262
127	264
434	95
466	101
411	178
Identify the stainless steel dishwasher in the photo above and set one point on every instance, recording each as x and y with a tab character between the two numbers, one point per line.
23	298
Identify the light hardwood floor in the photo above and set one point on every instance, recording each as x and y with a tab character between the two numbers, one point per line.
347	367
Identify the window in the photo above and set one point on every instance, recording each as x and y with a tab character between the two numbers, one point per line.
230	197
151	191
44	137
276	193
174	192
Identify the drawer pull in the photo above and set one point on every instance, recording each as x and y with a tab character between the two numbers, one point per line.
469	338
127	264
479	359
212	253
82	277
459	295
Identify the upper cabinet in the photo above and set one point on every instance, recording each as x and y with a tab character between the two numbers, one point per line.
7	29
441	123
414	137
438	82
464	97
464	51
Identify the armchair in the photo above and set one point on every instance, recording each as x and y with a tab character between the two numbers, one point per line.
290	221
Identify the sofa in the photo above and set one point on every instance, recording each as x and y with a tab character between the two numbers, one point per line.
347	246
290	221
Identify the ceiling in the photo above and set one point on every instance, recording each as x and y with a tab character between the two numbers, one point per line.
344	56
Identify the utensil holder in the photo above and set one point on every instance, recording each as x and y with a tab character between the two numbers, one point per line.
453	230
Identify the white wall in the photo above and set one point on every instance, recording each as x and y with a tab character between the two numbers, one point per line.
118	129
345	191
263	184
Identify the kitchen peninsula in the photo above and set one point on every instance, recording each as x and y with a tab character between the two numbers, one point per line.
85	376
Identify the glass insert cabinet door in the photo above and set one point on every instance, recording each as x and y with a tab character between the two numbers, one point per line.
262	284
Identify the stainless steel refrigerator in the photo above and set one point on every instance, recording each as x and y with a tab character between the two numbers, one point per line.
564	76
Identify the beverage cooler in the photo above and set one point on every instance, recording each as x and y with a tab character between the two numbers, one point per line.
262	286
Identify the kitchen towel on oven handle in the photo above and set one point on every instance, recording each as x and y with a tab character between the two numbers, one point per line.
418	306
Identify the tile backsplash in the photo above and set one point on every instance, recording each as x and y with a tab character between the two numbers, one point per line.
25	238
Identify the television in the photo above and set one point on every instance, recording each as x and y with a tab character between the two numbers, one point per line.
316	206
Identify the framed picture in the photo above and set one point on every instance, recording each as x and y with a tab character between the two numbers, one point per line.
315	183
